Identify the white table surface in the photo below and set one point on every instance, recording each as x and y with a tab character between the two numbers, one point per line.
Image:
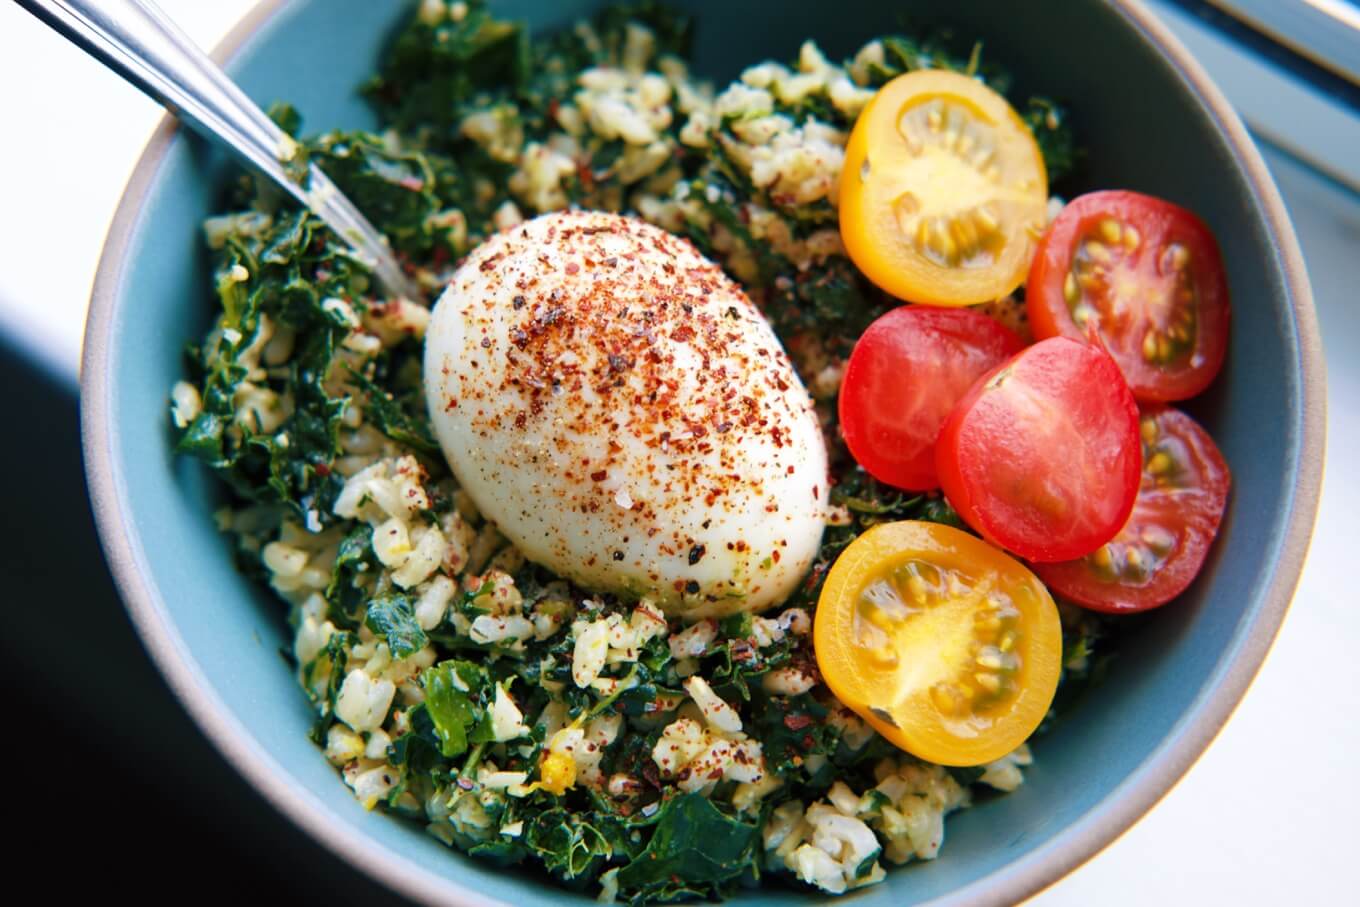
1266	817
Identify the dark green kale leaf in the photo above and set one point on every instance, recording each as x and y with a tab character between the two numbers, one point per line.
939	510
348	588
287	243
403	419
333	659
433	72
286	117
394	189
831	298
218	364
419	749
871	502
1089	646
672	29
791	728
886	505
391	617
448	707
1057	142
734	665
571	848
458	697
301	470
935	50
204	439
966	775
558	57
693	844
654	676
737	625
285	266
720	207
283	270
500	852
467	601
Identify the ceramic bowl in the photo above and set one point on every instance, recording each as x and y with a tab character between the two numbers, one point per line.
1150	120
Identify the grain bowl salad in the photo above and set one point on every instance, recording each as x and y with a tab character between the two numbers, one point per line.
663	549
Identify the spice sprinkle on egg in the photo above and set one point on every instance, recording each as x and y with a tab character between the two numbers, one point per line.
618	407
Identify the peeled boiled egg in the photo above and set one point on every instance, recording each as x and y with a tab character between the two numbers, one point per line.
620	410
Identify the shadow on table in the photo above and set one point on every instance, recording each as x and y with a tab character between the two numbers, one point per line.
116	782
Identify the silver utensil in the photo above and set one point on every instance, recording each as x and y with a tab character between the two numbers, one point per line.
139	42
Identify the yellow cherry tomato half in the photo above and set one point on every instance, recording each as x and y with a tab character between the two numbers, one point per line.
947	646
943	194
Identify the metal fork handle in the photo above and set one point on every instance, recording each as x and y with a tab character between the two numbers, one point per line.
139	42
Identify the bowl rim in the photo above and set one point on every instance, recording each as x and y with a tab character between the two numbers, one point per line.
1009	884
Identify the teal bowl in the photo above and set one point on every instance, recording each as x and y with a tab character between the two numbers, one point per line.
1152	121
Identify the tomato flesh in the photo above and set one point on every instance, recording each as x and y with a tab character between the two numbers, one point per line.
948	647
1146	277
904	376
1161	549
1041	456
943	192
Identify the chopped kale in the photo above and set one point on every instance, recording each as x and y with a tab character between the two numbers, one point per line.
390	617
448	703
570	846
402	419
276	276
286	398
1057	142
694	846
394	188
351	576
432	72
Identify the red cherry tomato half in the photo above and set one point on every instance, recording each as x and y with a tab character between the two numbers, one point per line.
906	373
1041	456
1162	547
1146	276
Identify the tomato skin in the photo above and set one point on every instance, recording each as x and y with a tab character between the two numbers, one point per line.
946	638
1181	506
1042	455
943	191
1137	294
906	372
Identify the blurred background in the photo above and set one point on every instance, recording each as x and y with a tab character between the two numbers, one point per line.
128	787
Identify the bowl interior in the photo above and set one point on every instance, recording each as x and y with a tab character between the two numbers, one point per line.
1142	128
